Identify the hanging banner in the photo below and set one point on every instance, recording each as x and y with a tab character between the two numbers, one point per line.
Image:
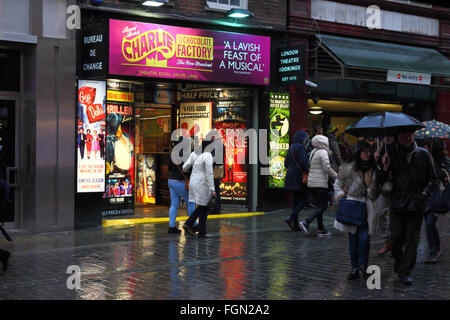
408	77
159	51
91	136
278	137
195	118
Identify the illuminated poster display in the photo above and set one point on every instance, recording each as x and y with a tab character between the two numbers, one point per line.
159	51
278	137
118	197
91	136
146	179
195	118
230	117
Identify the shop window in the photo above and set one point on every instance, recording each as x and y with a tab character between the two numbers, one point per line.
10	70
227	4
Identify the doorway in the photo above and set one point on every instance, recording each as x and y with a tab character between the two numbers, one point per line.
9	155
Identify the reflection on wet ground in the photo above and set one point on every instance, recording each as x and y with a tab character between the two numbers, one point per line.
246	258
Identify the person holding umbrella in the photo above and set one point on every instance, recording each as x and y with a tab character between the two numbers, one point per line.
413	179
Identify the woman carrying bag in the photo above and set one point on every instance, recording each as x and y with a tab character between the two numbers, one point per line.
355	188
201	187
320	170
297	165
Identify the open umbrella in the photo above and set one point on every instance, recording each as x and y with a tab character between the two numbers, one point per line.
433	129
384	124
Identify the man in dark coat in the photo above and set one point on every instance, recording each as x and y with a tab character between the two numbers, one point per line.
296	163
414	178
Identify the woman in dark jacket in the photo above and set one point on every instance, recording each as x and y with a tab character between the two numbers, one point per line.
296	163
177	188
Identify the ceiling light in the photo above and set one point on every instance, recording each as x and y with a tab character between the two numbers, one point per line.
315	111
154	3
236	13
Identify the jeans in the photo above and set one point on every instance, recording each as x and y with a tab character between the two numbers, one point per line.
178	190
405	232
359	245
320	196
201	212
300	201
434	242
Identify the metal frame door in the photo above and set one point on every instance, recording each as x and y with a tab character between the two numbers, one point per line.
13	176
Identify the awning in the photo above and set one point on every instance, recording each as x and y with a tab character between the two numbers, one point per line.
370	60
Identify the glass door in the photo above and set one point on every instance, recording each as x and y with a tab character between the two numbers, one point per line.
8	167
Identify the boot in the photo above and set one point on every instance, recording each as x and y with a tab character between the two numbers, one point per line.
386	248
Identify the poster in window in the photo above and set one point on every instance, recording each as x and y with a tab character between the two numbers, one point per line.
91	136
146	179
119	159
230	122
195	118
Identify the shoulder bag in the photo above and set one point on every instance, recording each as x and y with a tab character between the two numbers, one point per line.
439	201
186	178
304	173
352	212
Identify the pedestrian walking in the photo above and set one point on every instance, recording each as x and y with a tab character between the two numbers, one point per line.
439	156
320	170
336	159
387	144
201	187
297	165
413	179
355	184
177	187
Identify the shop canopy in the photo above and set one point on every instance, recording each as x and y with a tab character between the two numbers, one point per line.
371	60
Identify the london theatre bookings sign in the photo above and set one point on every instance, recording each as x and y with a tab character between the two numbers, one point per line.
152	50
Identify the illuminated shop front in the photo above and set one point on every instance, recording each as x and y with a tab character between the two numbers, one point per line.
155	79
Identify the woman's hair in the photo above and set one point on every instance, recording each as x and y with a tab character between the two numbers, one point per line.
359	163
438	149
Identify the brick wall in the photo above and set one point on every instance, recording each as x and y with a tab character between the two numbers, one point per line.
266	12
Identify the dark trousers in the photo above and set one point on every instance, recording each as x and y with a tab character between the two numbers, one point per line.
201	212
102	150
300	199
218	201
82	150
359	245
405	232
320	197
434	243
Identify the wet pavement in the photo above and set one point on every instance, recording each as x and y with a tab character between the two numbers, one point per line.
247	258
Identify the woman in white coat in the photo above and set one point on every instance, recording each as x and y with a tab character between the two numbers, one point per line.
201	188
356	181
319	171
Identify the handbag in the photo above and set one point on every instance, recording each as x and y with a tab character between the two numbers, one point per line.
219	172
186	178
304	173
350	212
439	201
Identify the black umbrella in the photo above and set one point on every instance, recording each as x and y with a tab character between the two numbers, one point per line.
384	124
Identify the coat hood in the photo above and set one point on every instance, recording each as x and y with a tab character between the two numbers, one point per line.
320	142
299	137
